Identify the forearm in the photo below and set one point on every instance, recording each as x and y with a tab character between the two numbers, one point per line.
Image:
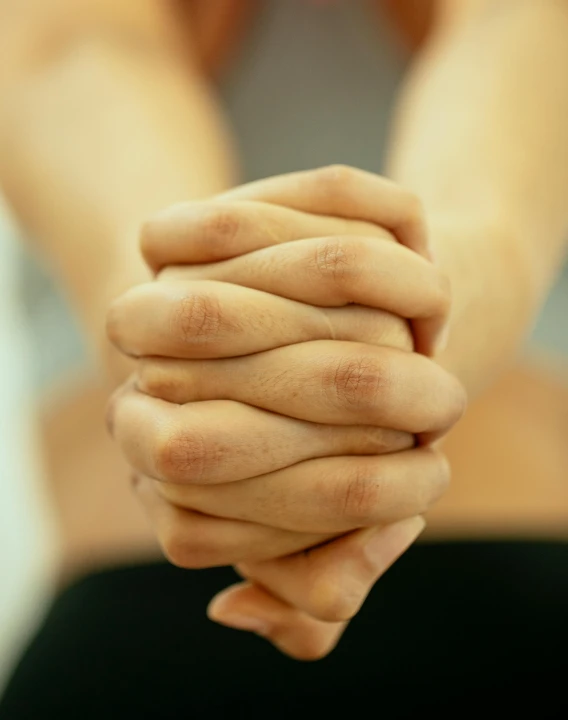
94	140
482	137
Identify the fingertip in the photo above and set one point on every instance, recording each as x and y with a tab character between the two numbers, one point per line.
387	544
248	607
231	609
236	621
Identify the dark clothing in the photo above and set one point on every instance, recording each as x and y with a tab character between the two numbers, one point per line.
453	630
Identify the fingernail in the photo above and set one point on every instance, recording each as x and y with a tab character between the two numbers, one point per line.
241	622
388	543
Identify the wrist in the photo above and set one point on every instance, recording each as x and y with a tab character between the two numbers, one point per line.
494	296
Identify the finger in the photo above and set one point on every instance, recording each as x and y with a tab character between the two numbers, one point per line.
205	319
336	271
208	319
206	232
326	495
331	582
290	596
324	381
192	540
249	607
223	441
181	234
358	195
345	192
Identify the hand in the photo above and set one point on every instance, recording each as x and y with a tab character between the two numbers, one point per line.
331	202
352	368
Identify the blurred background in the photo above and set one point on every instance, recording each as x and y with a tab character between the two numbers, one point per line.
43	356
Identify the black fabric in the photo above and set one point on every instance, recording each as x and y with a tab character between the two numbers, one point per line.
451	631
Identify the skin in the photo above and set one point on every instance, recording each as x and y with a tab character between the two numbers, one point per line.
484	233
197	320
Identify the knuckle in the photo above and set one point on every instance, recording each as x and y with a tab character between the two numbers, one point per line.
197	318
220	225
336	177
338	259
355	382
183	456
357	497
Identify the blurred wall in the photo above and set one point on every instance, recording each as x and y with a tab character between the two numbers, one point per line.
27	542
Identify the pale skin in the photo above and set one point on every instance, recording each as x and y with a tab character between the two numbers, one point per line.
484	235
340	369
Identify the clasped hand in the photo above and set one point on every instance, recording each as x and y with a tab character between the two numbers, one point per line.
283	410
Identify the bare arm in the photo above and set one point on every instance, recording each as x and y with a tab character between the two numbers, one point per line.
482	137
105	120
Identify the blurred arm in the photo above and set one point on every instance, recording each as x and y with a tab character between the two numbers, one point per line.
482	137
104	121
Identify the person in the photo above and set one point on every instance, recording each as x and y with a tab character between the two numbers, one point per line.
499	250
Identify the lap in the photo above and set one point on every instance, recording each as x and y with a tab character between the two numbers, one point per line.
509	457
450	626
